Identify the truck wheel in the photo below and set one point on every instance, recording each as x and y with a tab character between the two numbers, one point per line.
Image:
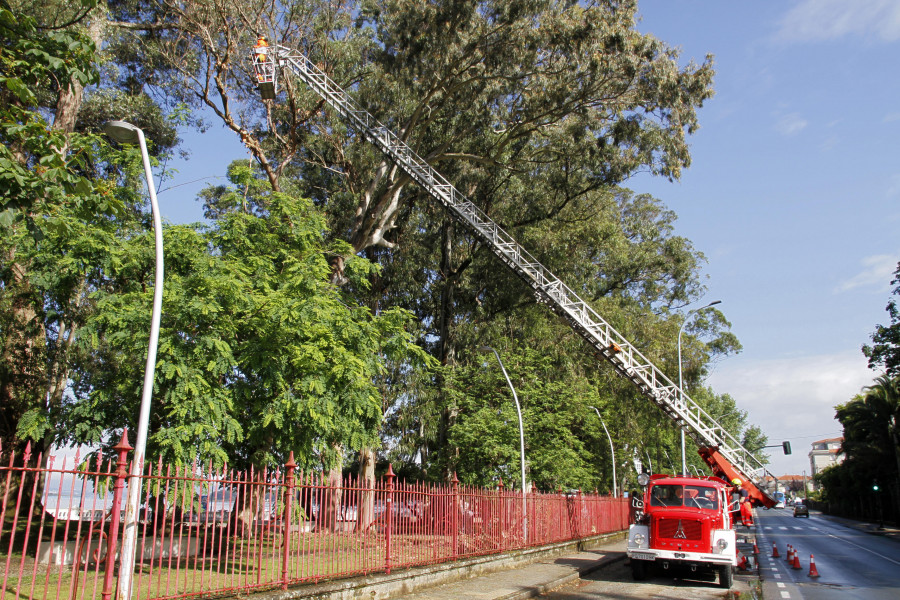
726	576
639	569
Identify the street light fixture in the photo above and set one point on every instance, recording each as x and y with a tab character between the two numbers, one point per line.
521	441
612	452
687	317
126	133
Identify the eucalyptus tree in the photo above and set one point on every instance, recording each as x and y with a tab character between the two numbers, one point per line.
533	109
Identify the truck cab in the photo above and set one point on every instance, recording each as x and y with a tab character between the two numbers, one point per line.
683	522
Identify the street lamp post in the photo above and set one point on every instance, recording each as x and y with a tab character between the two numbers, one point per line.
126	133
521	441
612	452
680	384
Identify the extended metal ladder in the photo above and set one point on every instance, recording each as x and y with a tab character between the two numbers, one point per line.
722	452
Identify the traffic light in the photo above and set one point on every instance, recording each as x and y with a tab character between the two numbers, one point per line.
786	446
874	487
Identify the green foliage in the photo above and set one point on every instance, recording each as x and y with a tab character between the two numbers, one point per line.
486	430
259	354
33	164
871	445
885	348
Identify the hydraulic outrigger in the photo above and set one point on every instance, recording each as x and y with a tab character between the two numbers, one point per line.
726	457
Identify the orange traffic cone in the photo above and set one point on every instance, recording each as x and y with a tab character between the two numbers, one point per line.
813	571
789	556
796	564
775	551
743	563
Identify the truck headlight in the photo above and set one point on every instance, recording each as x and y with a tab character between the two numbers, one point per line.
722	544
639	539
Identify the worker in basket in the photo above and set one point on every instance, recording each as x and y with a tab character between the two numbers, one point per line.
260	55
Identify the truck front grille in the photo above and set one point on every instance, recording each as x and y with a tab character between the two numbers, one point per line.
680	529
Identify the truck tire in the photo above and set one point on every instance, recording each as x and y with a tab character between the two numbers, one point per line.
726	576
639	569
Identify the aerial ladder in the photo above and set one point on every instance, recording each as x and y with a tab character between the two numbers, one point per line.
724	454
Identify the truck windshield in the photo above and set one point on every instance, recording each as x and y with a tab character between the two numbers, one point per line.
696	496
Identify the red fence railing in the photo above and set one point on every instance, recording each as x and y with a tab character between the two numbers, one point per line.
205	531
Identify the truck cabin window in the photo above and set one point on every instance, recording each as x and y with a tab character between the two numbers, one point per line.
694	496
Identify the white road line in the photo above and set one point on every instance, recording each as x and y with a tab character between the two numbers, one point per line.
864	548
779	584
785	594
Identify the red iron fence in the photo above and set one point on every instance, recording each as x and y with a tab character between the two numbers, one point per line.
204	531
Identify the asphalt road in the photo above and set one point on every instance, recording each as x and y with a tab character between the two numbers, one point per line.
851	563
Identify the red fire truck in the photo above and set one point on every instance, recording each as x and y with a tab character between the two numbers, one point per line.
683	523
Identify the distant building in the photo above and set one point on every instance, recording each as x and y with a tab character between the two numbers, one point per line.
825	453
791	485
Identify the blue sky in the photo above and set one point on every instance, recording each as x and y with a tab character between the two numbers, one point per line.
793	195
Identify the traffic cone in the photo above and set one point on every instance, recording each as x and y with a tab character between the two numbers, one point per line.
813	571
743	563
789	556
775	551
755	548
796	564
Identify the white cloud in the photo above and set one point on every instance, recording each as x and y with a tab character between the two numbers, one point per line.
891	117
821	20
793	399
877	271
791	124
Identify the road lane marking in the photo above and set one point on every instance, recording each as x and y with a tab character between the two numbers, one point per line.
779	584
785	594
864	548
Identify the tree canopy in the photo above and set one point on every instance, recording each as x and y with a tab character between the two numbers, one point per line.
311	312
871	447
884	351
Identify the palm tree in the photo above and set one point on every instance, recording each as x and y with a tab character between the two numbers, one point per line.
872	428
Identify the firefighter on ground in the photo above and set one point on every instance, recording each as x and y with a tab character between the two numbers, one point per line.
744	499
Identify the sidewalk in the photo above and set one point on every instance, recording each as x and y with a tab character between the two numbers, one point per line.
887	530
528	581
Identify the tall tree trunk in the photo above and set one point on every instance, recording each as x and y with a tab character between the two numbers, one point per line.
365	510
332	495
446	352
70	97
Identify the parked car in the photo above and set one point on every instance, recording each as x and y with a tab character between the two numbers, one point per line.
800	509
